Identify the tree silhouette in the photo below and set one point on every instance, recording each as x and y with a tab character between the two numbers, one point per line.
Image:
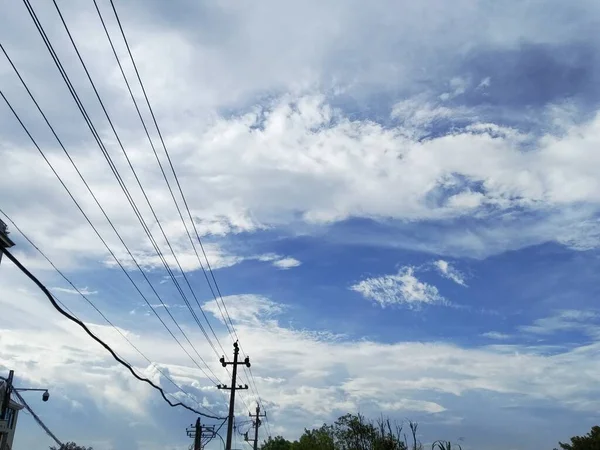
590	441
276	443
349	432
71	446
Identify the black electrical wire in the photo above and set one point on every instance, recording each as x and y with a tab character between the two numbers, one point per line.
174	174
108	158
107	218
93	305
251	378
225	321
88	122
33	278
136	176
110	162
218	434
158	160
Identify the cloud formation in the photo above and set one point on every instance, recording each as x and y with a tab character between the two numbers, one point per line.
565	320
84	291
448	271
286	263
495	335
403	288
465	132
304	156
281	262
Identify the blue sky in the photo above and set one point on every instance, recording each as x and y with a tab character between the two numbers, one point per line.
399	201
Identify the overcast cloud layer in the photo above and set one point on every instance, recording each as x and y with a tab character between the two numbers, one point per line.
400	202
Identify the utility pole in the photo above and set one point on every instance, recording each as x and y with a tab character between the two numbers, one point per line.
7	392
5	241
233	388
257	423
198	431
5	405
9	414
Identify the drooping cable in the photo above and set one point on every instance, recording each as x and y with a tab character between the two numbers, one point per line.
107	218
219	434
108	158
253	386
232	331
154	149
137	178
93	305
45	290
173	171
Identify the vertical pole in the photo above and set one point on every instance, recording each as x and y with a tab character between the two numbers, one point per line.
233	388
5	406
6	399
256	425
236	351
198	435
5	241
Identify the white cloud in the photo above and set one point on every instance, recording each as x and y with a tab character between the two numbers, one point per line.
281	262
301	155
165	305
295	160
412	405
84	291
296	155
448	271
496	335
401	288
458	86
565	320
371	372
287	263
296	370
485	83
244	308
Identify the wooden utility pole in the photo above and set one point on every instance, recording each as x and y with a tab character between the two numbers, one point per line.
233	388
257	423
7	392
198	431
5	241
198	435
5	406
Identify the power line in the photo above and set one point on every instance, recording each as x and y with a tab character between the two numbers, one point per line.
105	215
257	423
33	278
136	176
115	172
107	156
93	305
268	425
251	378
218	434
234	387
164	174
96	136
171	166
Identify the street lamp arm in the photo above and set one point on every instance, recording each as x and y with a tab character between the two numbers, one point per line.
30	389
